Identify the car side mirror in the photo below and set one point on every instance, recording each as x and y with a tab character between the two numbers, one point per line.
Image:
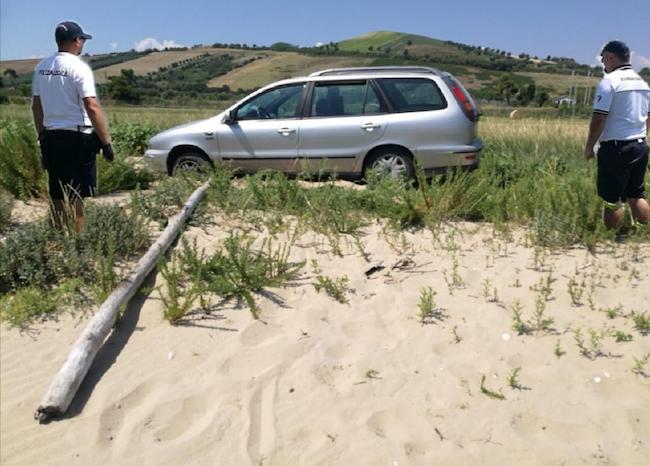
230	118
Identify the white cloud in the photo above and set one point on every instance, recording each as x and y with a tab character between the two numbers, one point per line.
113	45
319	44
639	61
597	61
151	43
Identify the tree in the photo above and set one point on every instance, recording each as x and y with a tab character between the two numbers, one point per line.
541	98
124	87
506	87
11	74
526	94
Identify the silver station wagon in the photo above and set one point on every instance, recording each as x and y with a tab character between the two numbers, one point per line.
345	120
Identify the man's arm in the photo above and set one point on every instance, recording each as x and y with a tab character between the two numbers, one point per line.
596	127
37	114
97	118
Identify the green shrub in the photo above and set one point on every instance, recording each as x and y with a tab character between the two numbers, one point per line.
238	270
6	205
26	305
132	138
111	226
25	257
20	160
167	197
37	255
121	174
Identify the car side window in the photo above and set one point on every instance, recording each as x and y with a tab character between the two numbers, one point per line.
345	99
413	94
278	103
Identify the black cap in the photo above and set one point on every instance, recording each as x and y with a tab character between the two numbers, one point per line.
618	48
67	31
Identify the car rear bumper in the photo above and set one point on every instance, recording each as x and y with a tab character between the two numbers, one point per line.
440	159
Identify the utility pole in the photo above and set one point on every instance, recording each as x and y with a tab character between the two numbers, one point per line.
574	93
588	88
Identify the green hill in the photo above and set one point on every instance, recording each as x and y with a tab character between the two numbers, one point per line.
204	73
395	43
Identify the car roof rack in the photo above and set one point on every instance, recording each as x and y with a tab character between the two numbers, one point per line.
378	69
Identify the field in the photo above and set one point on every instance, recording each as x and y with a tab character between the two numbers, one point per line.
561	83
155	60
281	65
482	318
19	66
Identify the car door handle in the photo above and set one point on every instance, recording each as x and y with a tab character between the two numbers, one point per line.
370	126
286	131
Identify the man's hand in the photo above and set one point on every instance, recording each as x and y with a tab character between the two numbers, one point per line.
589	153
107	152
41	144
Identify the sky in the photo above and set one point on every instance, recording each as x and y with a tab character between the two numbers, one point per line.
568	28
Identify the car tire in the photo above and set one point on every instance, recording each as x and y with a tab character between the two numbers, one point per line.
190	163
393	162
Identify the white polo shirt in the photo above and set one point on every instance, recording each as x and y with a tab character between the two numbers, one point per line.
624	97
62	81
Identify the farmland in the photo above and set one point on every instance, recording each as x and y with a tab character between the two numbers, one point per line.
281	65
185	75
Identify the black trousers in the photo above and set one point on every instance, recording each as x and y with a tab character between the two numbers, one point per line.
70	160
621	170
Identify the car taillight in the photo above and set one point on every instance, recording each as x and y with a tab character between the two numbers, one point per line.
463	98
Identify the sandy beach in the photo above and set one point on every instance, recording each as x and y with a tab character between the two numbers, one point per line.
319	382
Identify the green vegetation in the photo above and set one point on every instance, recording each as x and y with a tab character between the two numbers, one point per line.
115	58
236	271
6	205
513	379
492	74
337	288
490	393
182	82
178	297
641	322
20	161
22	175
37	258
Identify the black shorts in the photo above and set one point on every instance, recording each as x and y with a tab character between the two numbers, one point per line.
70	160
621	170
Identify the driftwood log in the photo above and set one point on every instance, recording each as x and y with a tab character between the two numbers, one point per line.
66	383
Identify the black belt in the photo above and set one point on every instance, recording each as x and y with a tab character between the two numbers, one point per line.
622	142
78	129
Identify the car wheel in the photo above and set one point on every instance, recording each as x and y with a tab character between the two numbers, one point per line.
190	163
393	162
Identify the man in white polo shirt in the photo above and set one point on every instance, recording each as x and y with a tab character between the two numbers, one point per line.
620	121
70	124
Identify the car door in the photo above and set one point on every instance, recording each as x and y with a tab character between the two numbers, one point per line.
343	121
264	131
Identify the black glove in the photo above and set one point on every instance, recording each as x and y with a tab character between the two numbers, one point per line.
107	152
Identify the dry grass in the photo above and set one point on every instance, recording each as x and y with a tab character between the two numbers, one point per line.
151	62
281	65
560	82
19	66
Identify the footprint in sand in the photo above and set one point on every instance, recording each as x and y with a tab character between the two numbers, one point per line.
112	418
261	438
180	419
257	333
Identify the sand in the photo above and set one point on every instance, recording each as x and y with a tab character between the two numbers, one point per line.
318	382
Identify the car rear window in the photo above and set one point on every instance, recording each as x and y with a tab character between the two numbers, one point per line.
413	94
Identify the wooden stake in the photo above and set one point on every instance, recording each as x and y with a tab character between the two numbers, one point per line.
66	383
